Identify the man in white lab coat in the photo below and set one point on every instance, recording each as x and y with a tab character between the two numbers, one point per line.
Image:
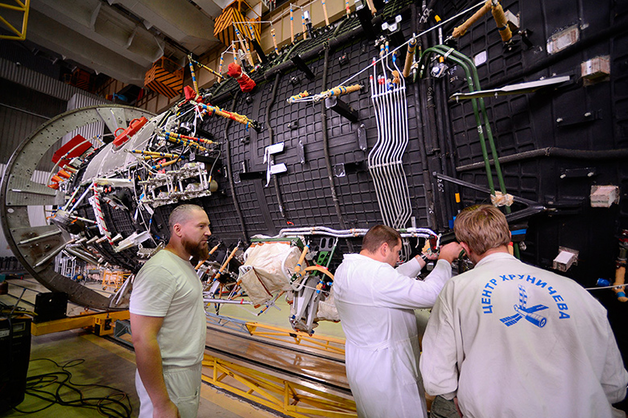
511	340
375	302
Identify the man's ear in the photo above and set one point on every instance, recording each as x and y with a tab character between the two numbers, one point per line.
466	248
177	229
383	249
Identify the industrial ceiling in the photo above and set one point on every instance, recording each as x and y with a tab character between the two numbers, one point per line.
122	38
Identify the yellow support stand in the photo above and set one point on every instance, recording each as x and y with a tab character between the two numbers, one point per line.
103	323
23	7
289	398
114	279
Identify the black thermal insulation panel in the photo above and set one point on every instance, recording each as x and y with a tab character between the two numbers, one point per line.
555	144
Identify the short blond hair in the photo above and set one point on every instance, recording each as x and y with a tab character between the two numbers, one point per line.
482	227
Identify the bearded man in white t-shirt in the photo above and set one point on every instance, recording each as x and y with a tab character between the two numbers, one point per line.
168	320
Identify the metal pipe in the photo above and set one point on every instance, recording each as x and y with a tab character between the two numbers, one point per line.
82	255
478	122
615	154
50	234
351	233
489	132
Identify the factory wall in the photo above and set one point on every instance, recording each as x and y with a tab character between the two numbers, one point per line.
558	142
562	140
520	123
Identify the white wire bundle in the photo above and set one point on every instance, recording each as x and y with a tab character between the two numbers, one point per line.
305	97
385	159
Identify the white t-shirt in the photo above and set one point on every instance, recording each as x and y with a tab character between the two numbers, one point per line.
167	286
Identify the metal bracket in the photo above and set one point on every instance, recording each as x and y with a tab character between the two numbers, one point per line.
364	14
301	65
577	172
340	107
565	259
521	88
587	117
301	152
271	167
361	134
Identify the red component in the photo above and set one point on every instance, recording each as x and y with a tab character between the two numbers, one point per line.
64	174
54	186
75	147
134	126
189	93
246	83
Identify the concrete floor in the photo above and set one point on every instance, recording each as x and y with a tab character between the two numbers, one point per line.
98	361
107	363
94	360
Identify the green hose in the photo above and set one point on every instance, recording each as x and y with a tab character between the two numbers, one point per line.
476	113
473	81
489	132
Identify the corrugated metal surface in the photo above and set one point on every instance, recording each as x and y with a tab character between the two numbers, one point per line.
15	126
91	131
39	82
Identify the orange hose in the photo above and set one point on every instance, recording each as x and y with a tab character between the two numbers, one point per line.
297	269
224	265
409	58
502	23
462	29
620	277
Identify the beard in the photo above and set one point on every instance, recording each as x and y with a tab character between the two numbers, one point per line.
199	251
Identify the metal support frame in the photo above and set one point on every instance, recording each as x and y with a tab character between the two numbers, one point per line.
289	398
18	193
329	344
24	7
227	322
532	207
96	320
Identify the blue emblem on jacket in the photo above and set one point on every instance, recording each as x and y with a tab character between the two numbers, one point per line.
522	311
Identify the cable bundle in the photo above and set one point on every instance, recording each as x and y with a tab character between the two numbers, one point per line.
57	388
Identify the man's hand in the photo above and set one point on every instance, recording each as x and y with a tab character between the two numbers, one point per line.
450	252
167	410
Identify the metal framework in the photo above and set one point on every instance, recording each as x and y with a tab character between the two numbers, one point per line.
330	344
289	398
35	247
22	7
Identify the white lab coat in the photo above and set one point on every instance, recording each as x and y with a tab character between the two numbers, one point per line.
376	303
514	340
